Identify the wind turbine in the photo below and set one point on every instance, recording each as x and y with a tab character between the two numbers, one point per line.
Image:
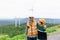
19	22
15	22
32	9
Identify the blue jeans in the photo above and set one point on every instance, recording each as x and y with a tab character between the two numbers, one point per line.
31	38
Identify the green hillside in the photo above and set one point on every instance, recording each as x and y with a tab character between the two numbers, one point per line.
10	32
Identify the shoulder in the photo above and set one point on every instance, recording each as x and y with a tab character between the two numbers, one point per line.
27	23
35	21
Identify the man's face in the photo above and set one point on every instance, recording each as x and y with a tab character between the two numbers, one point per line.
31	19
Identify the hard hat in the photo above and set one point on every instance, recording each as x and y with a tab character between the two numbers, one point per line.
42	20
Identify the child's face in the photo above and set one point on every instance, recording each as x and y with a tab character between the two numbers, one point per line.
41	23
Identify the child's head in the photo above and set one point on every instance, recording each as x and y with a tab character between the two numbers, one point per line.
42	21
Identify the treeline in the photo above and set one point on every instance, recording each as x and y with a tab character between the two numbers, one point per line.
11	30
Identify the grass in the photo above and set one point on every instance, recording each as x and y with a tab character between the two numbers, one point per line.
53	29
10	32
18	37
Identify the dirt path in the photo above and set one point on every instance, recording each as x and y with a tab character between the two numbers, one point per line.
54	37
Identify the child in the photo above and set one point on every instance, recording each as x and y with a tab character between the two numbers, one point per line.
42	30
31	29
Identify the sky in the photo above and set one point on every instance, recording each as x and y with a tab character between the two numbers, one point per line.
23	8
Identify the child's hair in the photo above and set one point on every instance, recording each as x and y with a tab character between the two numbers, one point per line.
41	22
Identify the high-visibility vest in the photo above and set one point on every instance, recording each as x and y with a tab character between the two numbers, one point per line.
32	29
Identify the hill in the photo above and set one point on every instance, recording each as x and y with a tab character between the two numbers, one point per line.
10	32
48	20
24	20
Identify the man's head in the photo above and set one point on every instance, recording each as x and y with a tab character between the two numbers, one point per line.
31	19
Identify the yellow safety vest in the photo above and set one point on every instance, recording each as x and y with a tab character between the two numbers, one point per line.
32	29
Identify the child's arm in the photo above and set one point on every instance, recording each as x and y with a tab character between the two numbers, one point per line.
45	27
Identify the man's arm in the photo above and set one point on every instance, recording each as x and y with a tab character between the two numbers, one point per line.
26	30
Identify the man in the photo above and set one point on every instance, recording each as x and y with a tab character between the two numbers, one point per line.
31	29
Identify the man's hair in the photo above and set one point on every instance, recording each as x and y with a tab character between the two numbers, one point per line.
31	17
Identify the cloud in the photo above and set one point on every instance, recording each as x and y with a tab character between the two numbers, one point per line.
22	8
